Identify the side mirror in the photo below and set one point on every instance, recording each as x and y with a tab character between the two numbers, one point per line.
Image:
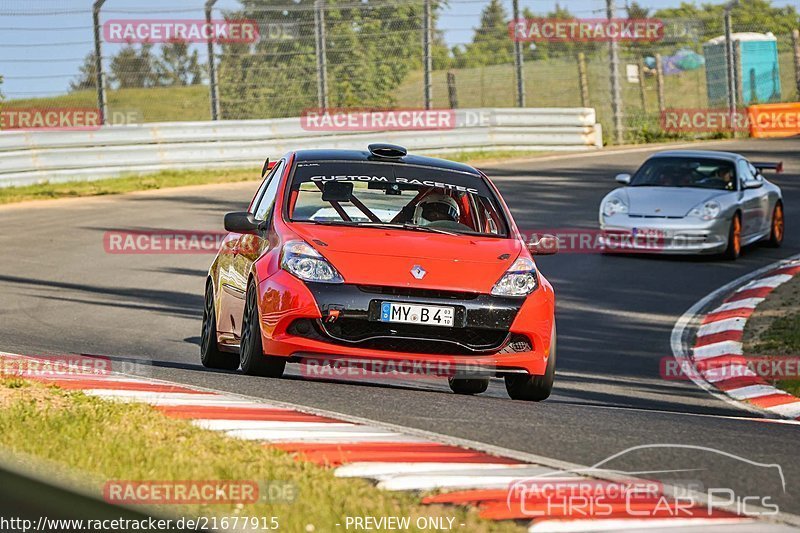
752	184
546	245
268	165
241	222
624	179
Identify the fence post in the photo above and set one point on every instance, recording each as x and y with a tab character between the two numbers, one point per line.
100	79
730	62
660	84
213	85
642	94
426	52
322	61
583	79
616	90
451	90
518	60
796	47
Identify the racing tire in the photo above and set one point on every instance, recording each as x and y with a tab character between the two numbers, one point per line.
210	354
534	388
468	385
734	248
252	358
777	227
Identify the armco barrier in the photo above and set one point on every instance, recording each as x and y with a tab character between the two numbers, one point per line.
55	156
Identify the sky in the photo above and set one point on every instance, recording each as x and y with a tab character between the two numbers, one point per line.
43	42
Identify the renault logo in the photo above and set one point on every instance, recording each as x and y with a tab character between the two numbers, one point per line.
418	272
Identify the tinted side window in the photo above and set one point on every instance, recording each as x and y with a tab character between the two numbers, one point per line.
265	203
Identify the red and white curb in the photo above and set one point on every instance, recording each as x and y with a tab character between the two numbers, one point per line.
395	459
716	356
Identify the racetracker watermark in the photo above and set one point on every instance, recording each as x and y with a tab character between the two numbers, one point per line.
576	498
593	241
186	30
186	492
586	30
56	366
63	118
768	367
402	369
150	242
344	119
696	120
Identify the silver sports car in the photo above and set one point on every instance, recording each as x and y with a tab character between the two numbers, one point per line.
693	201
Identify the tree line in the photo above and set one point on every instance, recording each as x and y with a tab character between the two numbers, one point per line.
133	66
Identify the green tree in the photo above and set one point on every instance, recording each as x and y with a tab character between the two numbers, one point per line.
371	47
132	68
634	10
177	66
750	15
87	74
491	44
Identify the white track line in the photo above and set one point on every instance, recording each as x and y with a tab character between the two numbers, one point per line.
746	303
726	324
791	410
231	425
171	398
751	391
343	435
379	470
458	481
771	281
716	349
722	373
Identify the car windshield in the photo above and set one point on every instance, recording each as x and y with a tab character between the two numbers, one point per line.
409	197
704	173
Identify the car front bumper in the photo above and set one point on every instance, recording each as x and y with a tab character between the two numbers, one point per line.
338	322
623	233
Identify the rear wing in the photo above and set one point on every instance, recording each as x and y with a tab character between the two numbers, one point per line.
777	167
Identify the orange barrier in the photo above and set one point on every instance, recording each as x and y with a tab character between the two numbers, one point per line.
774	120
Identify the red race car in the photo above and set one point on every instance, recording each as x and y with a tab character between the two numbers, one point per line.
378	256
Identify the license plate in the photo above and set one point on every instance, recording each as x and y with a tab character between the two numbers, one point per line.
432	315
650	233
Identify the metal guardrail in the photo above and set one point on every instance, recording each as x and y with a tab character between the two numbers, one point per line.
57	156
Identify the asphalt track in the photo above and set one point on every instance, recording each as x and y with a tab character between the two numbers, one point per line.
62	293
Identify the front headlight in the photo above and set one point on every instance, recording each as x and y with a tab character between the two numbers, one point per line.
708	211
303	261
614	205
519	280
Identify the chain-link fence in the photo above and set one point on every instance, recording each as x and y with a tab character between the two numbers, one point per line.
279	58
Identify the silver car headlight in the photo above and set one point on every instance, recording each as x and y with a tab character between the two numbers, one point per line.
519	280
614	205
303	261
708	211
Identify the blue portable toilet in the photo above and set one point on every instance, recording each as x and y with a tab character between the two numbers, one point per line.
759	70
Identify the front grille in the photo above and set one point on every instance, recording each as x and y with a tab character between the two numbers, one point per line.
418	293
410	338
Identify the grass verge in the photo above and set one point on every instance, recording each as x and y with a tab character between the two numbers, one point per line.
774	329
106	440
180	178
140	182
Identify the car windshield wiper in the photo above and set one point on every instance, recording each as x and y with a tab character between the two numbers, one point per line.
389	225
412	227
